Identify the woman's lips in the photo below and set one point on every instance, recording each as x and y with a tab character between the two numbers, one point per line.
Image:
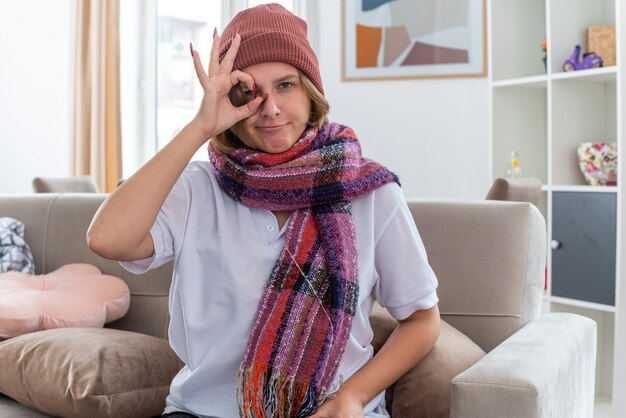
270	129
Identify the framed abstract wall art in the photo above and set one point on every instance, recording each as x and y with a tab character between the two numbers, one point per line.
394	39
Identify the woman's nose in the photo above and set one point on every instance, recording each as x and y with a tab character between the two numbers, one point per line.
269	108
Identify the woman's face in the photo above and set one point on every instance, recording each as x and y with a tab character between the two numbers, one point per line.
284	114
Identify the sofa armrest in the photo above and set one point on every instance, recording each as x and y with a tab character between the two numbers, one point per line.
546	369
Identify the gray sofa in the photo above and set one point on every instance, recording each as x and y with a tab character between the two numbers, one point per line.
489	257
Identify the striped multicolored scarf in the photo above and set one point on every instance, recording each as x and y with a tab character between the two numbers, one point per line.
305	315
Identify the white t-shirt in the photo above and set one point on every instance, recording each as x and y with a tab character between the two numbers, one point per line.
223	255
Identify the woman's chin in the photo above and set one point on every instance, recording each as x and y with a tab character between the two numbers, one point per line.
276	147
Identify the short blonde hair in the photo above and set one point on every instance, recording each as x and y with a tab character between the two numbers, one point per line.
228	141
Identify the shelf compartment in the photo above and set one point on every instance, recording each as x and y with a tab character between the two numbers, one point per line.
583	110
569	20
520	124
518	29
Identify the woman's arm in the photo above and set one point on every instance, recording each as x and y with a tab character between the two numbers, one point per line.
120	229
408	344
121	226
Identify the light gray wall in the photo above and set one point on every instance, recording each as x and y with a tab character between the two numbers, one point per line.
432	132
35	68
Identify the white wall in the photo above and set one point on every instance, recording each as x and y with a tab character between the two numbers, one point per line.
35	71
432	132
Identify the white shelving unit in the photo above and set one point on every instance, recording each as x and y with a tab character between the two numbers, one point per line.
543	113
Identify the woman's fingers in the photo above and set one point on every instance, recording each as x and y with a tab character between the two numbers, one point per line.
229	59
249	108
220	77
197	65
214	62
239	76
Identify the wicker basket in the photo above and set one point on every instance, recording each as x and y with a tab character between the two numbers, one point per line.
601	40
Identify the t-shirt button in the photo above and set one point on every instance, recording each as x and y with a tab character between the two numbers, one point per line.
270	228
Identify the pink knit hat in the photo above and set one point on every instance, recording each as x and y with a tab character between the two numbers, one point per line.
270	33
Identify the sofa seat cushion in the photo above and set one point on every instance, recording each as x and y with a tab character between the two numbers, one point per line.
75	295
425	390
88	372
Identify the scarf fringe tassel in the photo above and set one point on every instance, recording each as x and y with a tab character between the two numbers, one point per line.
276	399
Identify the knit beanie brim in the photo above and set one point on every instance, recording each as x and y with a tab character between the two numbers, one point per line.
270	33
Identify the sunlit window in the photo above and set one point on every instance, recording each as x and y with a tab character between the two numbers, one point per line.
160	92
178	93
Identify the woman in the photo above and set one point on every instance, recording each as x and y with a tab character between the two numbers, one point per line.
280	244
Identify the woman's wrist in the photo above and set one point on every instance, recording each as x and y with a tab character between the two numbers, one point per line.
351	395
195	131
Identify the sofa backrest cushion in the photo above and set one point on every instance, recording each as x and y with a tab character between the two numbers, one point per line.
489	257
76	184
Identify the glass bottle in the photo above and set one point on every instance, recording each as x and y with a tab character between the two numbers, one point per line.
515	170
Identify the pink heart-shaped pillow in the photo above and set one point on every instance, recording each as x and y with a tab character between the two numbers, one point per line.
75	295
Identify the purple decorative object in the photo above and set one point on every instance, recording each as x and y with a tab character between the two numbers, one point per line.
589	60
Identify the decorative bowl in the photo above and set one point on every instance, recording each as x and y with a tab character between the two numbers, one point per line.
598	162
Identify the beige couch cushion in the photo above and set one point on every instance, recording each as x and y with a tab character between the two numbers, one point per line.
78	184
88	372
424	392
489	257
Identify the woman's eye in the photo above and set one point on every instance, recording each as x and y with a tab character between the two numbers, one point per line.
285	85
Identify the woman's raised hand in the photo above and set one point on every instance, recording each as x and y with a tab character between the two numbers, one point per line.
217	113
121	228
